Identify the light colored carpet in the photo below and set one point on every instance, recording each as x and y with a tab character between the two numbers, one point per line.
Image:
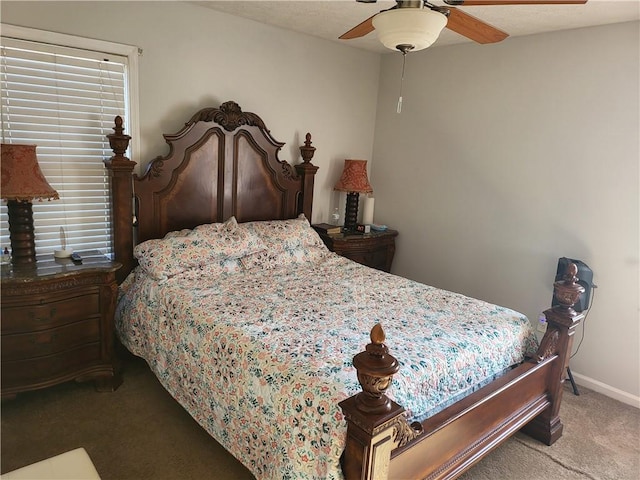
139	432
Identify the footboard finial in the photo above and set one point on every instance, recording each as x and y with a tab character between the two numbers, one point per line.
376	368
375	424
567	291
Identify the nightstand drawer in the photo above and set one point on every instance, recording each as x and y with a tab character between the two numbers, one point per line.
42	369
375	249
28	318
374	259
47	342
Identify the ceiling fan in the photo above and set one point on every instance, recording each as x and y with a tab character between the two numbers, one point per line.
416	24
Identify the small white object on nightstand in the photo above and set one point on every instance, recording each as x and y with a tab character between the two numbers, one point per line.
64	253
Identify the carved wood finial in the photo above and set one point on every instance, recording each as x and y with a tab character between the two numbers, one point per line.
567	291
376	424
561	316
375	367
118	141
307	150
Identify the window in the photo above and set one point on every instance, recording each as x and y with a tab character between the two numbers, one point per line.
62	93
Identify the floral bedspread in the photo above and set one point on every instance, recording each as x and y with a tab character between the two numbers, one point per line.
261	359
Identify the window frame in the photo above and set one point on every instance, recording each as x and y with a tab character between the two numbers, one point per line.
132	53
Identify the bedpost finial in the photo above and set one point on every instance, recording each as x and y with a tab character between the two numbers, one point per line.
307	150
118	141
567	291
375	367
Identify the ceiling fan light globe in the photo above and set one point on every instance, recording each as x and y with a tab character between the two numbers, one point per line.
409	26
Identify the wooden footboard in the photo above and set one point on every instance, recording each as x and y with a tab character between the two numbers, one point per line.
381	444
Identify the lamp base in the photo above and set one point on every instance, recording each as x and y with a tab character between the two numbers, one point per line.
23	246
351	212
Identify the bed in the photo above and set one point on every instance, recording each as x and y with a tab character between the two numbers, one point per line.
258	330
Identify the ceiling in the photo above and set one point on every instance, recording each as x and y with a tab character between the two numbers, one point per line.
331	18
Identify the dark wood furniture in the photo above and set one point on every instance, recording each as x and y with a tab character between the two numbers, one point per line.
224	162
375	249
57	323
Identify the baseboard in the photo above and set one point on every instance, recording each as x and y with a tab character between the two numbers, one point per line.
607	390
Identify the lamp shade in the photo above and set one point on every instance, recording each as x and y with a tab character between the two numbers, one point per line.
354	177
21	178
415	27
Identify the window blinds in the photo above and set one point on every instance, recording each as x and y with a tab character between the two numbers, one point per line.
64	100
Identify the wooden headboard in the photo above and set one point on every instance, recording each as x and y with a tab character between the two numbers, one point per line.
223	163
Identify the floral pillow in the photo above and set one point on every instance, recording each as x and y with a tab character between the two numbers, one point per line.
164	258
227	240
296	232
206	245
286	241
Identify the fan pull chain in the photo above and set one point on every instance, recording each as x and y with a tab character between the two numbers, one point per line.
404	60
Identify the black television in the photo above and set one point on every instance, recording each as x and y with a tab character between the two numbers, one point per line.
585	278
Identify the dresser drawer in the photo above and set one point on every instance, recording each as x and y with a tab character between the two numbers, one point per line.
43	369
54	340
36	316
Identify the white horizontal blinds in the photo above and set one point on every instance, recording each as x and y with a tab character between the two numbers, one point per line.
64	100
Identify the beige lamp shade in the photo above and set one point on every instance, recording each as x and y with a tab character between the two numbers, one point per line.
22	179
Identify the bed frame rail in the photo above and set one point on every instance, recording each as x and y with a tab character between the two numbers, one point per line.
381	444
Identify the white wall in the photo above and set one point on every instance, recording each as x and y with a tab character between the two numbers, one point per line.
194	57
508	156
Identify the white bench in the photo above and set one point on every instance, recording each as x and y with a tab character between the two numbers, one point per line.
73	465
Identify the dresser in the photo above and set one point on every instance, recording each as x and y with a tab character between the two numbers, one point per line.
57	323
375	249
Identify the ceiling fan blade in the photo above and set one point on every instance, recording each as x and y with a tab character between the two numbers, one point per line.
359	30
473	28
460	3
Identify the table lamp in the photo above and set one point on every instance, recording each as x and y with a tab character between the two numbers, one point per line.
354	181
22	181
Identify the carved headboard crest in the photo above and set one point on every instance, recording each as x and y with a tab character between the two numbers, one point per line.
230	116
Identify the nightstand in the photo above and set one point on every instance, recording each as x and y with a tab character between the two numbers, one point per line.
57	323
375	249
